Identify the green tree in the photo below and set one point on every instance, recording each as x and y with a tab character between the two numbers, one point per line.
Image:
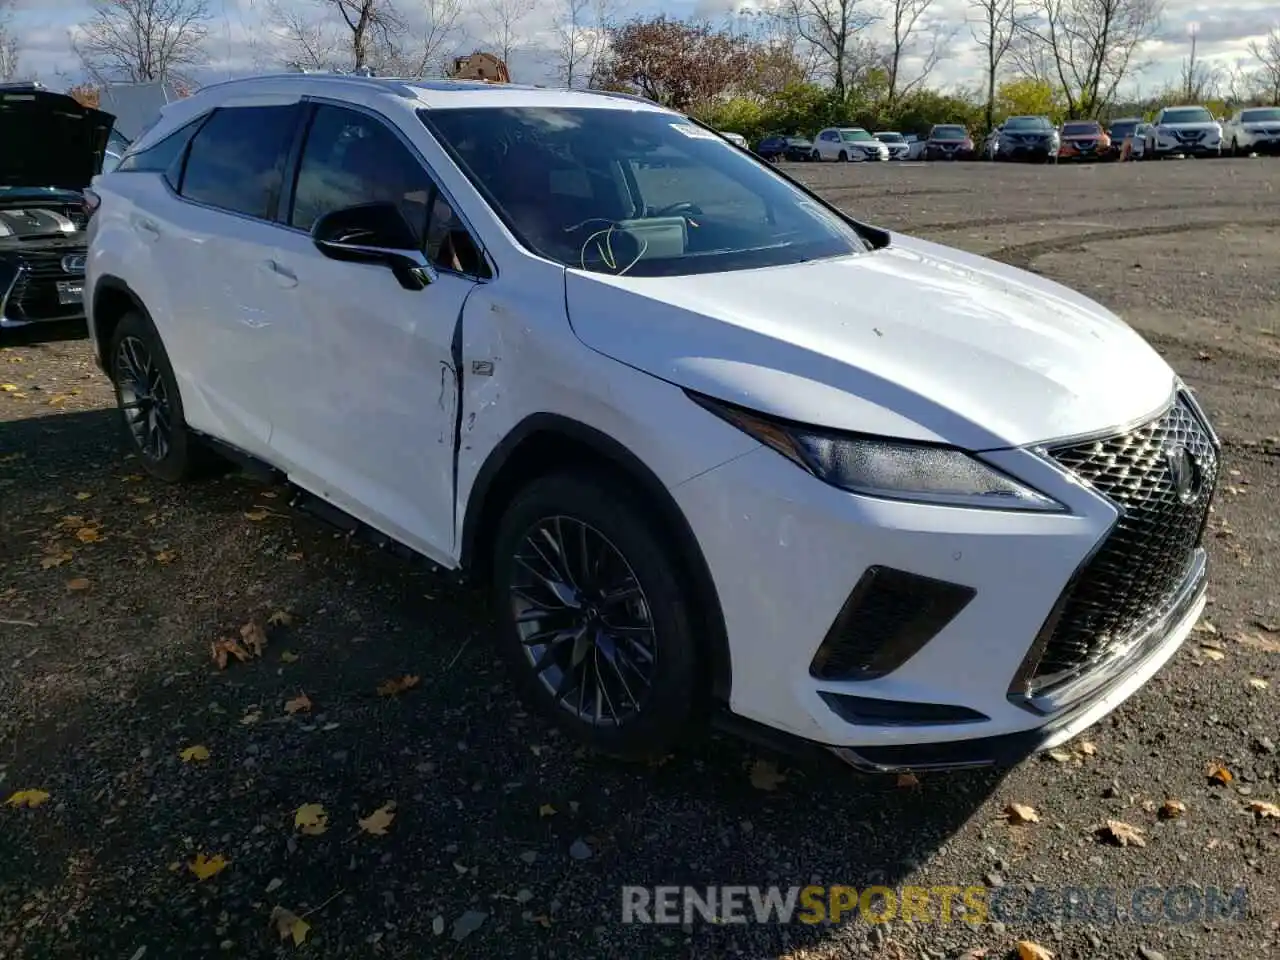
1027	96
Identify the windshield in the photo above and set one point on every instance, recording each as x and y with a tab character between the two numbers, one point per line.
1260	116
855	134
1187	115
799	142
639	192
1123	128
1079	129
890	138
948	133
1014	124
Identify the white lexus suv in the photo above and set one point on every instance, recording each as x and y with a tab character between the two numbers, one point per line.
718	448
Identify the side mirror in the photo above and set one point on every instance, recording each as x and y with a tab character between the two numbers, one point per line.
375	233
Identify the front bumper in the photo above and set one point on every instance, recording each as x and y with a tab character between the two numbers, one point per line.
785	551
34	287
1165	146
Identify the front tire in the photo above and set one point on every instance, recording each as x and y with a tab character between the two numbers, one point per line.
150	406
844	157
594	619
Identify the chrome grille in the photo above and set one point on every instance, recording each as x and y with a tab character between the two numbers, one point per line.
1143	561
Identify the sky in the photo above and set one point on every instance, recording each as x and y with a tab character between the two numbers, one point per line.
45	28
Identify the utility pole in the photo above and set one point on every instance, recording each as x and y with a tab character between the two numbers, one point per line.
1193	28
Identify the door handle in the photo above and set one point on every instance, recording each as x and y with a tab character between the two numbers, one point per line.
283	275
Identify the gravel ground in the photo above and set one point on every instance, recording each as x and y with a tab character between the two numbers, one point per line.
506	840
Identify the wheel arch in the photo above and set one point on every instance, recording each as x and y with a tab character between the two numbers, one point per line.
112	299
545	442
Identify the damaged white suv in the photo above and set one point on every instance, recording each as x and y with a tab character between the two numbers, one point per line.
718	448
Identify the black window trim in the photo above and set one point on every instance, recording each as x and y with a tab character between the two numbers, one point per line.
270	219
189	130
285	212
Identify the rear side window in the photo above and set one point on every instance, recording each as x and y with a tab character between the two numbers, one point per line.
237	159
163	157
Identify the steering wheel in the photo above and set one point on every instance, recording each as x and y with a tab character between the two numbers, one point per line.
684	208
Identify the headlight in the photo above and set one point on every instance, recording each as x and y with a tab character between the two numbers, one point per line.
890	469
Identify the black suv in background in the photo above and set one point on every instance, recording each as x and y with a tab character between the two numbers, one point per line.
776	148
50	148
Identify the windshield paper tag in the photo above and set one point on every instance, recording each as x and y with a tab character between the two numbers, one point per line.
694	133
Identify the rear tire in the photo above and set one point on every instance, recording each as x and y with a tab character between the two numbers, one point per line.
594	619
150	406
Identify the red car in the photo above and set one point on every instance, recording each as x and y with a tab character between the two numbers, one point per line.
1084	140
948	141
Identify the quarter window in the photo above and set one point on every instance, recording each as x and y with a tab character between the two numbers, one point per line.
237	159
163	157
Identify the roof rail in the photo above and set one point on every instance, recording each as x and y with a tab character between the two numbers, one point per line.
618	94
376	83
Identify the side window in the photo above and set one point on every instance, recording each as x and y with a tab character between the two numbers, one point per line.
351	158
237	159
163	157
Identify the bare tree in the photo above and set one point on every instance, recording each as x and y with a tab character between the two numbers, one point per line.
832	28
1092	45
8	44
142	40
502	18
911	34
1199	81
575	38
1268	56
351	34
993	24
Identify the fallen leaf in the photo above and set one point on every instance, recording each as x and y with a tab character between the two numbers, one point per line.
54	560
311	819
289	925
976	953
205	867
1030	950
166	556
27	798
1258	683
299	704
1121	834
251	717
908	780
1212	653
293	556
140	499
255	640
765	775
256	515
546	810
1257	641
395	687
280	619
220	650
1089	749
1217	773
1172	809
9	387
131	477
377	822
1264	810
1021	813
199	752
1061	756
88	535
79	583
84	496
288	657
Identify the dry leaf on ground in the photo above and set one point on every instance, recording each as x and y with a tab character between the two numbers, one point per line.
289	925
1256	641
288	656
311	819
1021	813
166	556
1217	773
1060	756
205	867
198	752
280	618
27	798
1172	809
765	775
398	685
79	583
377	822
251	717
1264	810
1089	749
221	649
256	515
299	704
255	640
1030	950
50	560
908	780
546	810
88	535
1121	834
1258	683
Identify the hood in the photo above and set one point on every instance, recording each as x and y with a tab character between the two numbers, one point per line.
915	341
1092	135
50	140
1200	125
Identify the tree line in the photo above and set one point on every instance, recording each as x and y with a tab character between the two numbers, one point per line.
799	66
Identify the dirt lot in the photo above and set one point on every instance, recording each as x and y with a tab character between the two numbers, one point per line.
508	842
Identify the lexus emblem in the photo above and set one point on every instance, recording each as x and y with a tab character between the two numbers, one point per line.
1184	472
73	263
